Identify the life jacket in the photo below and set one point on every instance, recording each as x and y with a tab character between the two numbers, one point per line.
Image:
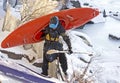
52	35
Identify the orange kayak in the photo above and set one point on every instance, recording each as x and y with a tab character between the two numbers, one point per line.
30	32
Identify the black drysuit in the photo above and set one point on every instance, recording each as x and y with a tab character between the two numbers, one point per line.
52	42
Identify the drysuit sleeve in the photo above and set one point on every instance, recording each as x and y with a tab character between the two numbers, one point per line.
67	40
65	37
44	32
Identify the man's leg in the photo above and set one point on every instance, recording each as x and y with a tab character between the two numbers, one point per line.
63	62
45	65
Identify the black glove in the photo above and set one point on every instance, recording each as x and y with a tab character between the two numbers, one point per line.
70	51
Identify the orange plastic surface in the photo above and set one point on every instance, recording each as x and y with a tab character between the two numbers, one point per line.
31	32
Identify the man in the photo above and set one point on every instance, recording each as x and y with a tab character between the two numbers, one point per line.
52	34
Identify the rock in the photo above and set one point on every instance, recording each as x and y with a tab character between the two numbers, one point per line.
114	37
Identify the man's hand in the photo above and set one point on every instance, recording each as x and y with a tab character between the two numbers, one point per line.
70	51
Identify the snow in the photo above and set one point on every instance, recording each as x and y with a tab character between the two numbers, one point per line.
105	50
110	53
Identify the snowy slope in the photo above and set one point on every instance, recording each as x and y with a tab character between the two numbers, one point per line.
107	64
109	59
